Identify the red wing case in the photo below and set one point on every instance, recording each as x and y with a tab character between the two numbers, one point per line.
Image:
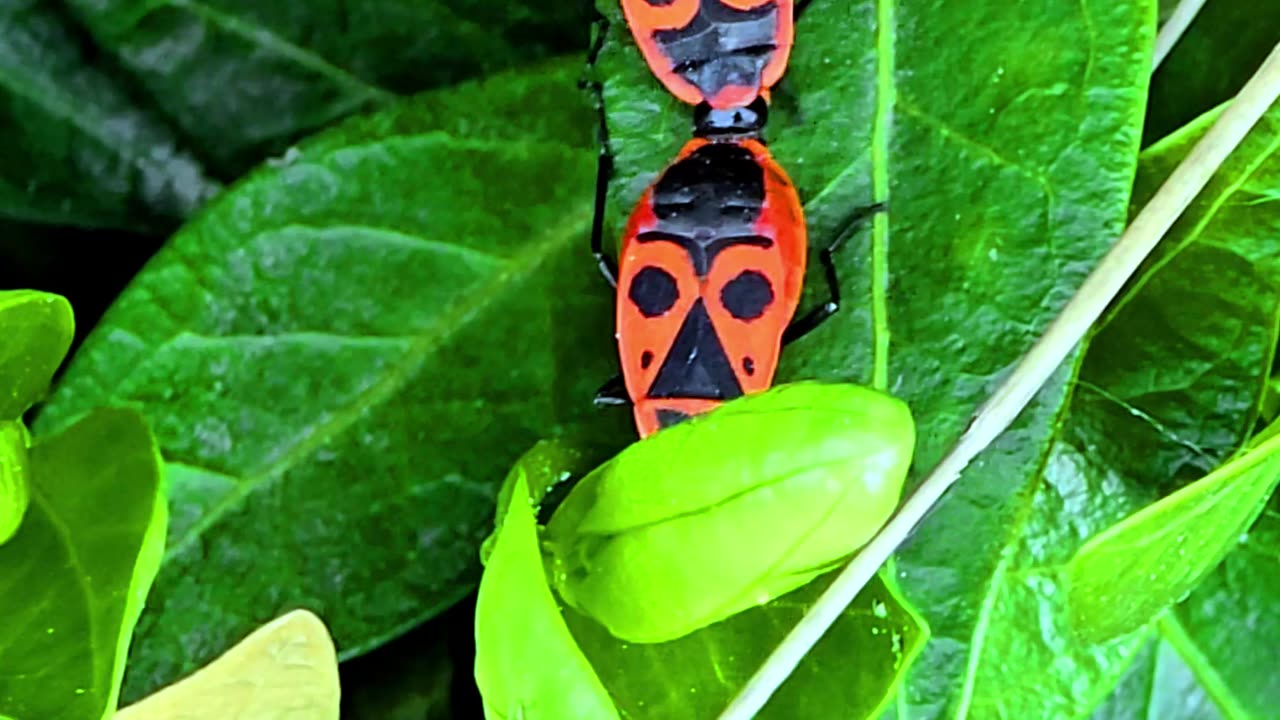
723	52
710	274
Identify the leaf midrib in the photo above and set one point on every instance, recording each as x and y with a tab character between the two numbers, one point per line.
454	317
886	96
73	557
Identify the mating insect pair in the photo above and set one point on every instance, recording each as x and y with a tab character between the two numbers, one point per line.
713	257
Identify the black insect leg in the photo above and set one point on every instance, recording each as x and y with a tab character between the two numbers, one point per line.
604	168
608	266
809	321
613	392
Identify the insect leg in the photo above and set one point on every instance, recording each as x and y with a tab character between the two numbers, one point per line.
613	392
608	266
805	324
604	167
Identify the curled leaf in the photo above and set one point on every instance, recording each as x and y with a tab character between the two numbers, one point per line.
528	666
14	494
731	509
35	332
1127	575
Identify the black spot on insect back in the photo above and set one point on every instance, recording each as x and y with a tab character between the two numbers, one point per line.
653	291
747	296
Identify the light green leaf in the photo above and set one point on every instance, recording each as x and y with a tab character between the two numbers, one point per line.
1168	547
35	332
344	355
731	509
1003	137
74	578
284	669
14	466
528	666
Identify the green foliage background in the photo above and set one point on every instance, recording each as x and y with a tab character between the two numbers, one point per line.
335	253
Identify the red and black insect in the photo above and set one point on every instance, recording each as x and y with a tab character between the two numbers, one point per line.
725	53
710	275
713	257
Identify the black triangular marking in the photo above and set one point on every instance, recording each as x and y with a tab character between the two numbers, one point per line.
696	366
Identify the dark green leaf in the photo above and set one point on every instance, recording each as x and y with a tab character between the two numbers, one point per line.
74	147
36	330
1174	379
1203	310
1029	662
74	578
242	78
343	356
1221	49
1007	172
1231	624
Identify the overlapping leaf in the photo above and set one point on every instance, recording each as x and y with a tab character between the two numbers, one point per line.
342	357
74	578
1171	386
1007	173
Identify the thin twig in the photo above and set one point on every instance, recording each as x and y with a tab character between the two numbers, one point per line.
1173	28
1000	410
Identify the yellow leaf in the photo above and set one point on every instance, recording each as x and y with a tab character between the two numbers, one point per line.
285	670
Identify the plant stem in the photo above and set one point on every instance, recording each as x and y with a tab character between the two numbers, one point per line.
1173	28
1000	410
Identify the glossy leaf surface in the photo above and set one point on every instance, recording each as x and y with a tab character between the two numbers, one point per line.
343	355
852	673
1007	173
